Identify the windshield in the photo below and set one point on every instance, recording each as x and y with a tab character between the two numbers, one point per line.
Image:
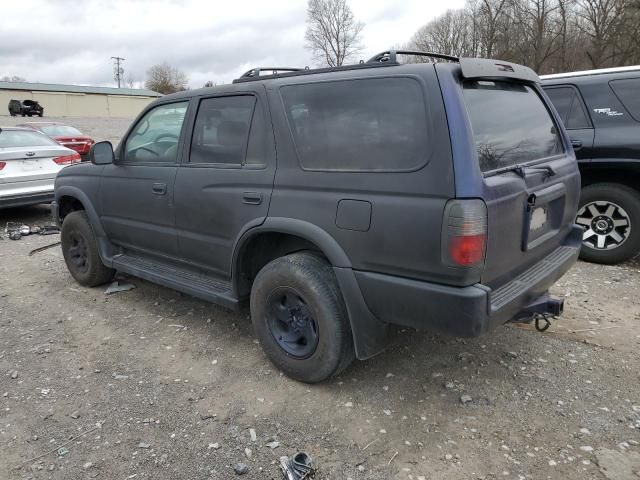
61	130
23	138
511	124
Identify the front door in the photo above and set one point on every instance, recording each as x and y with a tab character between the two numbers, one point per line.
137	191
225	184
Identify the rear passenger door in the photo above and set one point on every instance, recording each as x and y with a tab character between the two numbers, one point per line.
575	117
224	184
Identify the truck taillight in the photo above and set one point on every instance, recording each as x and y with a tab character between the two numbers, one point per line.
68	159
2	164
465	233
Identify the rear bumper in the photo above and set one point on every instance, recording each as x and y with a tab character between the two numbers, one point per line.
20	200
464	311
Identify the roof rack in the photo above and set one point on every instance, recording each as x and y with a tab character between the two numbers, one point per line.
256	72
384	59
391	56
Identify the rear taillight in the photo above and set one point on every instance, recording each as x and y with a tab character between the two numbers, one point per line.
68	159
2	164
465	233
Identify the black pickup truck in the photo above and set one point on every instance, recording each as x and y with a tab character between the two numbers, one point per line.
601	111
25	107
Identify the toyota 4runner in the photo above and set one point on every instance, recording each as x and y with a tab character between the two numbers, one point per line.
339	201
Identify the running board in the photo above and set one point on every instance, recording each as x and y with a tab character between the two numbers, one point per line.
178	278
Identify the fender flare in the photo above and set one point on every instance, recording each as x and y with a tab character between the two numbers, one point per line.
69	191
300	228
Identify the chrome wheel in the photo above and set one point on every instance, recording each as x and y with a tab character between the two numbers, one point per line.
606	225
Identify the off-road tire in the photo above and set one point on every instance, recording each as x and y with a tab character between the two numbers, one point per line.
310	278
78	242
629	200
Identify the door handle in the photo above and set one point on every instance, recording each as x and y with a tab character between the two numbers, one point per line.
159	188
252	198
577	144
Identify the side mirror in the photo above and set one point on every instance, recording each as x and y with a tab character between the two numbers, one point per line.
101	153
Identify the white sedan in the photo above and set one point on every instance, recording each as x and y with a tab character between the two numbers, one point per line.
29	163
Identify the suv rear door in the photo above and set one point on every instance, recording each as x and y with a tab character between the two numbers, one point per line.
574	115
224	183
531	209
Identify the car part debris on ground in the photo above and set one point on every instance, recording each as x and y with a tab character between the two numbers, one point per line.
117	287
46	247
16	231
297	467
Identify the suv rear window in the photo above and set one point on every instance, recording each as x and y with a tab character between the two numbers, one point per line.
511	124
359	125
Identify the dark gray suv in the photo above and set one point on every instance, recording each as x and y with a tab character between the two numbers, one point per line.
339	201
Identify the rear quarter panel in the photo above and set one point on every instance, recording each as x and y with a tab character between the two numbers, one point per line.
403	237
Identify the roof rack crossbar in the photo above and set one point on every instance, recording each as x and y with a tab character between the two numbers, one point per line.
391	56
256	72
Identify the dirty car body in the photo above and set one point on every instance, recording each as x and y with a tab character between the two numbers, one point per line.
439	196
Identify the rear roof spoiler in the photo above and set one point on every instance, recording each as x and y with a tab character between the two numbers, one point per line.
496	69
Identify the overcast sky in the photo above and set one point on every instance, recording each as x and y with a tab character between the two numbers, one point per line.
71	41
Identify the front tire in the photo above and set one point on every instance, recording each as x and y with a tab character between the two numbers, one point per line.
610	215
300	319
80	251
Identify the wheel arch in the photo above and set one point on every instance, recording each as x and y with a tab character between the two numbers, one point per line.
611	171
281	236
70	199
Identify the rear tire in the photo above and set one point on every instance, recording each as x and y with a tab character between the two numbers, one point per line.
300	319
40	114
80	251
605	209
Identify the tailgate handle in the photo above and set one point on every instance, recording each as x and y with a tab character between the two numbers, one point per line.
546	195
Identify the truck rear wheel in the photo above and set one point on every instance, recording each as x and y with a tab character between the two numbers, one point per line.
300	319
610	216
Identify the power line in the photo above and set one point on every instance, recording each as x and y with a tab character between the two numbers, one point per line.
118	71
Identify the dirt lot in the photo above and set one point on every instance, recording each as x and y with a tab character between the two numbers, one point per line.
170	387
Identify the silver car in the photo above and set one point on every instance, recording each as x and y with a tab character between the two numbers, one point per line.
29	163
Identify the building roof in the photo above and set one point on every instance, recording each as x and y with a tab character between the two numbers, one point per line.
583	73
52	87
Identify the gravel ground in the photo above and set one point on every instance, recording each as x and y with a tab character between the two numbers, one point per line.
164	386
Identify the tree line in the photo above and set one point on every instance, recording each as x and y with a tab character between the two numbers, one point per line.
549	36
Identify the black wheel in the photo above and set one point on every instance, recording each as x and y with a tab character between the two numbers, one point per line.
300	318
610	216
23	114
80	251
40	114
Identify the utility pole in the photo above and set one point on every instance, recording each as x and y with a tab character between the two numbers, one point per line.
118	71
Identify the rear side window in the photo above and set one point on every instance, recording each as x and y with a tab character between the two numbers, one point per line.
221	130
570	107
359	125
628	91
511	124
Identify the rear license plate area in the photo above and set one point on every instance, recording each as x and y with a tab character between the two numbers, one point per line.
543	215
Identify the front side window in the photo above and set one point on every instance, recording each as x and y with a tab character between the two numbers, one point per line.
510	123
359	125
155	137
221	130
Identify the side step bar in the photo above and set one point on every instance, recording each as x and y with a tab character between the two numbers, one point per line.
178	278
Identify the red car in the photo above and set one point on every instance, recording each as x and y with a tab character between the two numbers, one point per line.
65	135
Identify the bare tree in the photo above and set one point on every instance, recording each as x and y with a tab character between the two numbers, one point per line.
130	81
12	78
209	83
165	79
601	22
450	33
333	34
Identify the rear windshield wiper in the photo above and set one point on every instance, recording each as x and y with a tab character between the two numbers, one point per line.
522	168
